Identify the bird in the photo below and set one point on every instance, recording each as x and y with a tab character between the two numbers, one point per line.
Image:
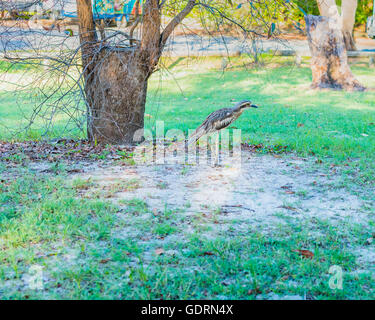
220	119
215	122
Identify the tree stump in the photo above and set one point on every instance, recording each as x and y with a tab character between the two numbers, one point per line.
329	61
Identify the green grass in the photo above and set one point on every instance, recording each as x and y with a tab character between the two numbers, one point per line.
332	124
92	249
338	126
6	66
310	122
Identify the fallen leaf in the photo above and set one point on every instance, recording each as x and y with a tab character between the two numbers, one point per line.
305	253
289	192
287	186
74	170
299	125
105	260
51	254
208	253
159	251
254	291
289	208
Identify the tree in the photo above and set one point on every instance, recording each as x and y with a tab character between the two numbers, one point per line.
329	41
329	62
116	78
328	8
348	8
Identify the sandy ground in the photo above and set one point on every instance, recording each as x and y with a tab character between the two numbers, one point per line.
255	189
255	192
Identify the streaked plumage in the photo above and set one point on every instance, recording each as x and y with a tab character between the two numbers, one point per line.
220	119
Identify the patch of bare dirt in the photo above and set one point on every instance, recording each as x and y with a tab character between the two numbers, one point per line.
264	192
254	191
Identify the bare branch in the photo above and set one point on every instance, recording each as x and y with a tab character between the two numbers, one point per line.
87	31
135	24
175	22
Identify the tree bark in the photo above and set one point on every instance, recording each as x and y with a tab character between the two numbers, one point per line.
87	33
329	62
348	10
328	8
116	94
88	41
116	78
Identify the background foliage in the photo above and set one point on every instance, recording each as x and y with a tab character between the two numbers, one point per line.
364	9
284	13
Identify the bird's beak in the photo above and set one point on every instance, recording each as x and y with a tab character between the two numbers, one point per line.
253	106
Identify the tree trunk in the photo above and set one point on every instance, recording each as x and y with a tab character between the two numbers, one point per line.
348	9
116	93
329	62
328	8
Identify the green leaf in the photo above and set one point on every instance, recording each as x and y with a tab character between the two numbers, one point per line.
271	30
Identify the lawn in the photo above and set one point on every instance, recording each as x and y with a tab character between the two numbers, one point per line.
88	242
339	126
82	240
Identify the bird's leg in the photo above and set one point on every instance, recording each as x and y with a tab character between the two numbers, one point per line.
217	155
214	147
